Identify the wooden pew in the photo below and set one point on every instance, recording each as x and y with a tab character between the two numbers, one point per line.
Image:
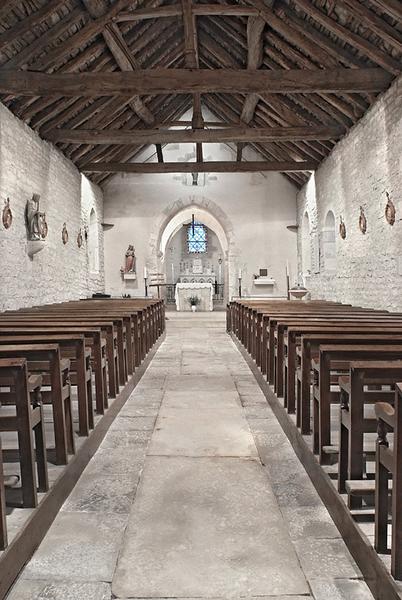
45	358
72	346
278	325
389	463
3	520
354	422
337	357
304	341
95	336
111	367
27	421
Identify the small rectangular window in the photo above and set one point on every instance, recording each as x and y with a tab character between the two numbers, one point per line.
196	238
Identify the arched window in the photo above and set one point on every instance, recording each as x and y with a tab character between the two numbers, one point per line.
196	238
306	245
93	243
329	242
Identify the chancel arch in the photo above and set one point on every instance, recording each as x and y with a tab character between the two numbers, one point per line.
222	261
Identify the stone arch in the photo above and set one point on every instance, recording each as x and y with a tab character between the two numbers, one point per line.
212	216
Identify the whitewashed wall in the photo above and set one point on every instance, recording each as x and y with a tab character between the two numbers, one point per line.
366	164
254	208
29	165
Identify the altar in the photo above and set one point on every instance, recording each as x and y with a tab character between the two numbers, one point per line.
184	291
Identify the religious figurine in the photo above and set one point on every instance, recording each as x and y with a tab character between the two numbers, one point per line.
7	214
64	234
390	210
35	220
362	221
79	239
130	262
342	228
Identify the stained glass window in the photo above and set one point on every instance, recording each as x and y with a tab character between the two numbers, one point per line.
197	238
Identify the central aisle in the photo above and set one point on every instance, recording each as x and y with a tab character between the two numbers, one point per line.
205	521
195	492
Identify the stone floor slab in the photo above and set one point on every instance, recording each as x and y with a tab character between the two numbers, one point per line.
201	400
78	547
212	383
60	590
206	527
194	432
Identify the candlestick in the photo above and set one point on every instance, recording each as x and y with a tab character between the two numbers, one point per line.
287	267
172	273
239	273
145	273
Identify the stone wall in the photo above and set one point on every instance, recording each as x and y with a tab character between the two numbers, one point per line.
59	272
253	210
365	269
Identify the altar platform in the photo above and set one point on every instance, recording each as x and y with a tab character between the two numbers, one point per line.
204	291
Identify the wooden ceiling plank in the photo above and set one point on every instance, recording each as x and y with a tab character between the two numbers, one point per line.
182	81
28	53
197	167
393	8
8	6
18	30
84	35
374	22
366	47
341	54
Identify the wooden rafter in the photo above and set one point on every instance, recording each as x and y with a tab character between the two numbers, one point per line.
124	58
192	62
197	167
376	24
367	48
393	8
175	10
83	36
255	28
26	24
183	81
221	135
28	54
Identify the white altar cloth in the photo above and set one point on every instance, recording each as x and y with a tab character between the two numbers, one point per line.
202	290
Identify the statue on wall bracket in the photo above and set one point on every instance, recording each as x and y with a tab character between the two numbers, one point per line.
130	260
35	220
129	269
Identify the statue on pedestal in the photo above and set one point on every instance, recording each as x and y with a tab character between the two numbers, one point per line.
35	220
130	261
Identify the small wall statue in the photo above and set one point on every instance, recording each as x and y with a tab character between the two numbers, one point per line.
130	261
35	220
7	216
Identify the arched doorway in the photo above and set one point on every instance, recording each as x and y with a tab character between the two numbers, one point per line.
194	254
176	219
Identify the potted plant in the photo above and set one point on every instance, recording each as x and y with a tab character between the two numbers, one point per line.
193	302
